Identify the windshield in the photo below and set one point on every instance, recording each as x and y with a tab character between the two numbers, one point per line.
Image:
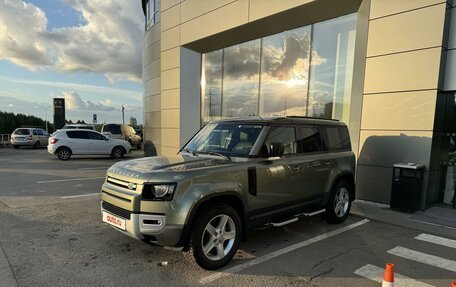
230	139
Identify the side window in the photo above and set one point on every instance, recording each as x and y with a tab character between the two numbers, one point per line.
75	134
309	140
95	136
336	139
35	132
281	136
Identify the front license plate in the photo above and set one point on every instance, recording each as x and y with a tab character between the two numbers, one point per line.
114	220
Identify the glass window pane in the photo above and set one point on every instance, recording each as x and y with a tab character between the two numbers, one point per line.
336	138
284	73
211	86
309	140
331	71
241	65
284	136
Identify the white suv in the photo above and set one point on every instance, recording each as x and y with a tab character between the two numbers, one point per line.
65	143
29	137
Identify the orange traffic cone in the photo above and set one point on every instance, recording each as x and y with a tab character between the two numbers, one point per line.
388	276
453	284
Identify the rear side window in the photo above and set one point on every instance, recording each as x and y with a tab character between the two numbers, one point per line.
336	138
75	134
39	132
309	140
113	129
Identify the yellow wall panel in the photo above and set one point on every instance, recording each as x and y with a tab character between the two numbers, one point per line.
413	30
227	17
170	119
171	99
399	111
170	18
195	8
170	59
417	70
170	79
170	38
381	8
263	8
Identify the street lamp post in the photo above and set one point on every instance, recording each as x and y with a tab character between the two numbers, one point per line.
46	117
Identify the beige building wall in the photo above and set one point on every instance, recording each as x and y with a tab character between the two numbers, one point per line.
402	81
151	63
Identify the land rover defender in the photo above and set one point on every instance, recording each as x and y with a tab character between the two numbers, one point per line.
233	176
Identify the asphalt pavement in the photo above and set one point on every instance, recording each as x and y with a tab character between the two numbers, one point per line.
51	234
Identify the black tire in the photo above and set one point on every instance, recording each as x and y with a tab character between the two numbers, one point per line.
15	146
339	203
37	145
117	152
225	238
63	153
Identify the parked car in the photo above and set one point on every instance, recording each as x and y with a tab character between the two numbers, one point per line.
77	126
124	132
65	143
232	176
35	137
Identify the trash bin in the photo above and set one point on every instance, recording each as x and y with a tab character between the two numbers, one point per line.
407	186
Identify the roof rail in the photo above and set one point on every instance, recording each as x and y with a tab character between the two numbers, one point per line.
313	118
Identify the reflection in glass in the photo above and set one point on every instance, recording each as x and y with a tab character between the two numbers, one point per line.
211	86
331	70
284	73
241	65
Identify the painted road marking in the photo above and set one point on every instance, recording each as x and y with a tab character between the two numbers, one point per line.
375	273
93	168
80	195
437	240
72	179
253	262
421	257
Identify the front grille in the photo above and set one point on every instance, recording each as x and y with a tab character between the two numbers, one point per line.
116	210
118	182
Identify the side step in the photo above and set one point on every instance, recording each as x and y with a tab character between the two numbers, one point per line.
296	218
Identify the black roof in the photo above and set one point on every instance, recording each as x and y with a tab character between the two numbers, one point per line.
292	120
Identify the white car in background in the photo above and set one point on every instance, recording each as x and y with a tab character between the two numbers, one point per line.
65	143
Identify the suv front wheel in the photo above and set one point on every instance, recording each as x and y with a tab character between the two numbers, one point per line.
215	237
339	204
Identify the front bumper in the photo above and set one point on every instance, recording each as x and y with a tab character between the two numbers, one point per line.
147	227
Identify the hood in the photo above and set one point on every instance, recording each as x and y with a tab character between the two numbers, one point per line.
144	168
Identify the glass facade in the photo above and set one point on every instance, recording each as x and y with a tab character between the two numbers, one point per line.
152	14
305	72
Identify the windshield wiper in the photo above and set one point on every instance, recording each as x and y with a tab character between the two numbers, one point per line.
189	151
213	153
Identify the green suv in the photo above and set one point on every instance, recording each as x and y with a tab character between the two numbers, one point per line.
233	176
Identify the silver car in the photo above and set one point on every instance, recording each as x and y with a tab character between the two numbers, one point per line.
35	137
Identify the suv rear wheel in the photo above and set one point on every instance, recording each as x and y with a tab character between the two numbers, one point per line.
339	204
215	237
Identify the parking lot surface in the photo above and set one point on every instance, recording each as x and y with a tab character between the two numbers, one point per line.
51	234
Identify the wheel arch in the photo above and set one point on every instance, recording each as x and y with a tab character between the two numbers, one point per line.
348	177
64	146
228	197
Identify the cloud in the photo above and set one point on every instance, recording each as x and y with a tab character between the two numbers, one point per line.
74	102
10	105
109	41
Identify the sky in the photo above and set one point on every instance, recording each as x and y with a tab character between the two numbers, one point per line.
86	51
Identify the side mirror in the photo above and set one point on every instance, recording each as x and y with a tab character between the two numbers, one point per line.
276	150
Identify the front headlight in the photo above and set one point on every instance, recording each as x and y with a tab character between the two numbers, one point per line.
158	192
